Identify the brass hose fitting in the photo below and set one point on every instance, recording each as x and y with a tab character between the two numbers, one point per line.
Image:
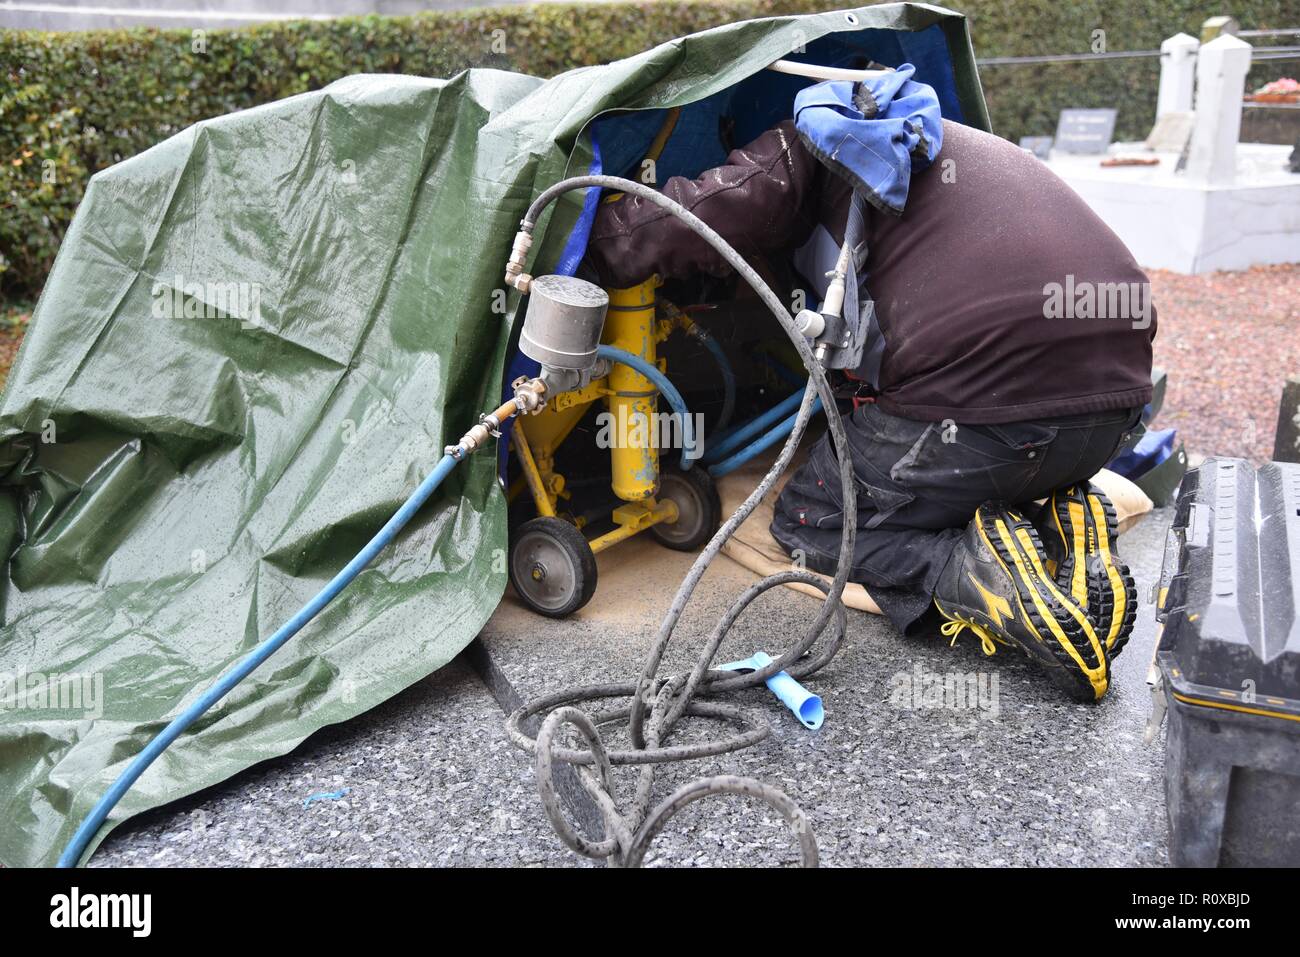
529	397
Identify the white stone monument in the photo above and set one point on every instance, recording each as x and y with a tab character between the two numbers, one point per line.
1221	68
1231	206
1177	74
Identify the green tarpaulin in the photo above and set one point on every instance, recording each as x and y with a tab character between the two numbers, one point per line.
257	338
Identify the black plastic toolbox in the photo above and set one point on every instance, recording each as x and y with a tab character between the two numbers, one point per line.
1228	660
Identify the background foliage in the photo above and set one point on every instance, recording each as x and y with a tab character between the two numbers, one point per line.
75	103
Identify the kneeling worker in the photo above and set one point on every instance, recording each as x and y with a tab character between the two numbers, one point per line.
985	399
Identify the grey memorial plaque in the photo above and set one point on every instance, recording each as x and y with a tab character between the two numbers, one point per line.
1085	131
1040	146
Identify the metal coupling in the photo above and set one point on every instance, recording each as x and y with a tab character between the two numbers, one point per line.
475	438
693	329
515	275
530	395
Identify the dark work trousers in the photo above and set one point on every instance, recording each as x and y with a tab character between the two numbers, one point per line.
919	484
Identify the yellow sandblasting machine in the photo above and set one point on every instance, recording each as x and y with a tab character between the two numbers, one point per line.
552	564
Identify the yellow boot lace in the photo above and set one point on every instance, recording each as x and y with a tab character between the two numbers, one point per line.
955	626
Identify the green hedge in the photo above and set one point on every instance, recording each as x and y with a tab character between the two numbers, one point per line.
75	103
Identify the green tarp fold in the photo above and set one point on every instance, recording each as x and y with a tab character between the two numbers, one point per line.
257	338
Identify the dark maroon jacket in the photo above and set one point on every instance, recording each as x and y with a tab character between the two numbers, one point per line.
1000	295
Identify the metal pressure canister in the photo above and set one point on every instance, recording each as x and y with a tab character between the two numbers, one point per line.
563	323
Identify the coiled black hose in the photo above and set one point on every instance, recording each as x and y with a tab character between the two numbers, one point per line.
658	704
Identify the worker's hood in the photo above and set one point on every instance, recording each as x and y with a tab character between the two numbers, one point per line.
875	133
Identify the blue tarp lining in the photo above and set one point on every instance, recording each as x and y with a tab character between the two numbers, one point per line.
619	141
765	99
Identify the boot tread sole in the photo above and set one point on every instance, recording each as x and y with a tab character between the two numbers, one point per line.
1059	624
1111	595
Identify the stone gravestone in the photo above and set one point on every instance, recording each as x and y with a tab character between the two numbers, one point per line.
1221	68
1286	447
1085	131
1215	27
1171	132
1040	146
1177	91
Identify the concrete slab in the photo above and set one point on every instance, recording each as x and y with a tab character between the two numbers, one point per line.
1027	779
1172	221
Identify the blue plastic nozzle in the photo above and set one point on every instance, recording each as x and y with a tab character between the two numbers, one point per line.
807	707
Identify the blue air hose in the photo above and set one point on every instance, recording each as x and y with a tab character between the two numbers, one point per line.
728	377
765	441
691	450
90	826
727	443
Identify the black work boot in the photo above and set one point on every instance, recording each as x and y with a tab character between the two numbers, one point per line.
1079	529
996	585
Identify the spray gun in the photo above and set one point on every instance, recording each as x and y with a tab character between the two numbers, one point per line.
840	334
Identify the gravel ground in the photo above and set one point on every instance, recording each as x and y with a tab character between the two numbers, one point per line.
427	778
1228	341
1024	779
1033	780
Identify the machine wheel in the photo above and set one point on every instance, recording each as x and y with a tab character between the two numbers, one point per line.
552	567
699	509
